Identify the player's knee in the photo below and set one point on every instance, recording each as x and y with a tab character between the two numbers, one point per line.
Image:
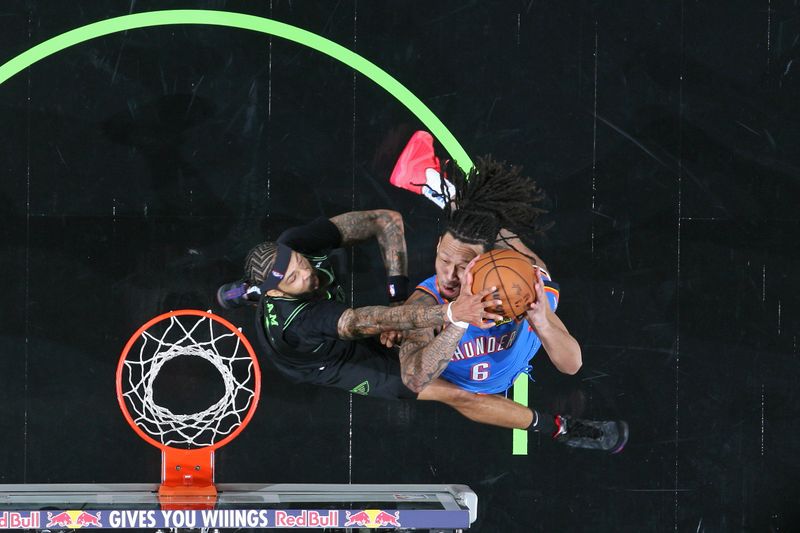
461	399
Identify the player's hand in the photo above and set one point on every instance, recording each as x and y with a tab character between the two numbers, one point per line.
391	338
537	312
470	308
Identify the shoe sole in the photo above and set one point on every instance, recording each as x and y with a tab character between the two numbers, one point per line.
624	432
223	303
220	300
408	162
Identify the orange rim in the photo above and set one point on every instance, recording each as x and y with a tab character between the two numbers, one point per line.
188	312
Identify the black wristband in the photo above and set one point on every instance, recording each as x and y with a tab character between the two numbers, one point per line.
397	287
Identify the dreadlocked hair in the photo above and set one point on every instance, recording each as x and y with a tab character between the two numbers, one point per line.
492	196
259	262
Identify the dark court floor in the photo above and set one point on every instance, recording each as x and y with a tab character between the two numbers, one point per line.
138	168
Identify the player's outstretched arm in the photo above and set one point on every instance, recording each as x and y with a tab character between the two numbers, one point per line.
373	320
424	357
561	347
395	337
384	225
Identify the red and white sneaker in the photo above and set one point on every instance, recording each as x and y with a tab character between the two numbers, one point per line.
418	170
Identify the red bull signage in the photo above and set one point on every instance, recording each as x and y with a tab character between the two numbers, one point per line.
72	519
307	519
372	518
20	520
233	518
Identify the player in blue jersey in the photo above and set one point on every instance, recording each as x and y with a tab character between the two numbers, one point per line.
492	207
488	361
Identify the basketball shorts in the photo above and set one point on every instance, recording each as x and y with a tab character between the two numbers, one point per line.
370	369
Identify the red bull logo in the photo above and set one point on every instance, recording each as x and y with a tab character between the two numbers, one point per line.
309	518
372	518
73	519
20	520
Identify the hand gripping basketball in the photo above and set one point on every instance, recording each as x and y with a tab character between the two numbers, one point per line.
472	308
513	274
537	312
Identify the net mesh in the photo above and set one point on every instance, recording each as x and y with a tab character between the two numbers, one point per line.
189	336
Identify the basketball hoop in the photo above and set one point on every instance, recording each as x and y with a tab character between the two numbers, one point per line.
188	440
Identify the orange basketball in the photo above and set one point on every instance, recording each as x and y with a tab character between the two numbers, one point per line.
514	276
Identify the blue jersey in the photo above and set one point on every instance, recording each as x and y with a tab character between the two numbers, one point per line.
489	360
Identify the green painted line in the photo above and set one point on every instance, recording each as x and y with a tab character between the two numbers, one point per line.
519	439
245	22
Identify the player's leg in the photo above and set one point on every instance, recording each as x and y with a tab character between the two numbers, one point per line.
610	436
370	369
484	408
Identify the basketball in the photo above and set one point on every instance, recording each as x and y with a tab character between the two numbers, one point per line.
514	276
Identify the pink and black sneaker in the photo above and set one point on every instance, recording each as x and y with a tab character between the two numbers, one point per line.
418	170
606	435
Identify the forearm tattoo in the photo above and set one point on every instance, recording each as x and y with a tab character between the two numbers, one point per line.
392	242
373	320
423	358
419	297
386	226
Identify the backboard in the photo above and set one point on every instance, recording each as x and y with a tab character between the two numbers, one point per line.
239	505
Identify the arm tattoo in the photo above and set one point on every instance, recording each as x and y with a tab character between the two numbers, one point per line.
392	242
372	320
386	226
423	358
419	297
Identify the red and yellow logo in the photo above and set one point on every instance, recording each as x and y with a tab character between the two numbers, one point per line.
73	519
372	518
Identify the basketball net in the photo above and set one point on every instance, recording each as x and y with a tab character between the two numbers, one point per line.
188	441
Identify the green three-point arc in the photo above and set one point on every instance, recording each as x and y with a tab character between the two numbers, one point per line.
269	27
245	22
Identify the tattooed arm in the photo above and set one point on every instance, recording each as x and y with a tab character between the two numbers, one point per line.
418	297
424	354
424	357
373	320
384	225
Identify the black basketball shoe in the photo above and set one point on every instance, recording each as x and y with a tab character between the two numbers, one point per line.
606	435
237	294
